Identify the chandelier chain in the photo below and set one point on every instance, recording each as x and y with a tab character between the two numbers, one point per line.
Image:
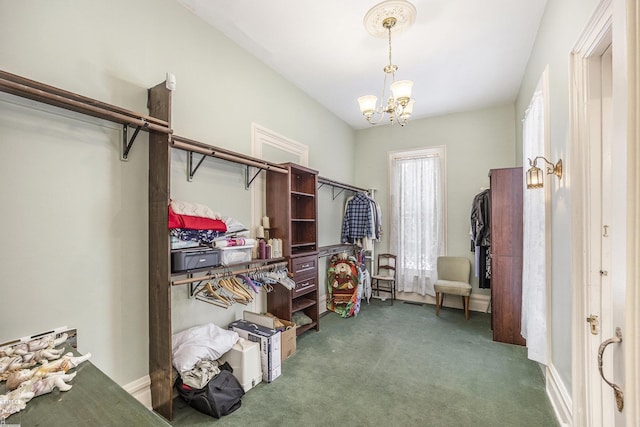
390	62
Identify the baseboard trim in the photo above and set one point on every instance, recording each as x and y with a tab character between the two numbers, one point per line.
559	397
477	302
141	390
322	301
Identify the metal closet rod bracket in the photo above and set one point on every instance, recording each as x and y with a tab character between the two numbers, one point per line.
192	146
248	181
191	169
128	143
60	98
335	184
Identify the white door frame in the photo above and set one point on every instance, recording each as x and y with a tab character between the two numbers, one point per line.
632	312
592	401
260	137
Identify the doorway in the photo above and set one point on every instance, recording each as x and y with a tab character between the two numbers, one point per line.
599	217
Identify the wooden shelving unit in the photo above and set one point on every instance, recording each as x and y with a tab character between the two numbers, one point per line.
160	276
292	208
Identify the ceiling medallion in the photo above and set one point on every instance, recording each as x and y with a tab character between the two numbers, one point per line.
403	12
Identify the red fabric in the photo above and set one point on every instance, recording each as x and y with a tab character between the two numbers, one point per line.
174	219
195	222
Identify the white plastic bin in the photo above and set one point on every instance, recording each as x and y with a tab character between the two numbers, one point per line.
244	358
235	254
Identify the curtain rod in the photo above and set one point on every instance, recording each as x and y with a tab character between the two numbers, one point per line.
228	273
337	184
209	150
40	92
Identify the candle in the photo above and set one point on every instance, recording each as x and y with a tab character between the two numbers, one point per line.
265	221
260	232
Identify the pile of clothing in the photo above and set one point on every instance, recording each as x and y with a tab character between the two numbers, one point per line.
193	224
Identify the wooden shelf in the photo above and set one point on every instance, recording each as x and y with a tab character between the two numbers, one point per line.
302	329
292	206
301	303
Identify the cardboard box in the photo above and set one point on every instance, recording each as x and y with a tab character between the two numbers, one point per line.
287	340
287	336
269	340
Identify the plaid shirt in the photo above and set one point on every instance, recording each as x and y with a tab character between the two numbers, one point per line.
357	219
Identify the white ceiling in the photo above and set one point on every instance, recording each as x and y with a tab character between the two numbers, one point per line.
461	54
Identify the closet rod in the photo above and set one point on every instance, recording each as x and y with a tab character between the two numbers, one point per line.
209	150
325	251
337	184
41	92
228	273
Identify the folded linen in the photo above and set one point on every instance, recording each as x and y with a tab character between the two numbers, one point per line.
193	209
194	222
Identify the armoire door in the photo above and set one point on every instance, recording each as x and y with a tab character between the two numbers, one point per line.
506	254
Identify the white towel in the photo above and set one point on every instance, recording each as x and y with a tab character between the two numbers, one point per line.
193	209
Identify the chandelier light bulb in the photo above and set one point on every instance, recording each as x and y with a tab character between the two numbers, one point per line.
367	104
402	91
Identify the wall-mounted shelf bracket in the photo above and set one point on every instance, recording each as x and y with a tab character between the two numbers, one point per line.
338	185
191	170
128	143
333	189
250	181
192	146
333	192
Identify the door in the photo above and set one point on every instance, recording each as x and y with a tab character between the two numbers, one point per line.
604	360
600	221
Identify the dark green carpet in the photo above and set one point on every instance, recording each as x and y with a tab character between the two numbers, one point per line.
396	365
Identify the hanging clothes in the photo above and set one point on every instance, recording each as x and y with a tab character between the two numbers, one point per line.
481	236
362	219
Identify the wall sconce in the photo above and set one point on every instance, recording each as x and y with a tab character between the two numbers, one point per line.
535	176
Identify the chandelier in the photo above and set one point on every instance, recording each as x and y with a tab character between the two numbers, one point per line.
379	21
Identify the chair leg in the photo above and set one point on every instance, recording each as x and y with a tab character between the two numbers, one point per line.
393	291
466	307
437	303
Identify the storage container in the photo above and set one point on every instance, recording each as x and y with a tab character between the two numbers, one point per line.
236	254
192	259
244	358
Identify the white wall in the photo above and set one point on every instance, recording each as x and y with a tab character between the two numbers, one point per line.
561	25
476	142
75	243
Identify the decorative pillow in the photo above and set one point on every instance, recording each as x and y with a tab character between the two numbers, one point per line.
205	342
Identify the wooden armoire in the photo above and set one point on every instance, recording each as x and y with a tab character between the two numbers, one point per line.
506	254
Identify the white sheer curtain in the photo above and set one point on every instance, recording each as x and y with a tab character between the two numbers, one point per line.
534	282
417	217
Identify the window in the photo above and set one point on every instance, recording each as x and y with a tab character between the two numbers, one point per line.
418	213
